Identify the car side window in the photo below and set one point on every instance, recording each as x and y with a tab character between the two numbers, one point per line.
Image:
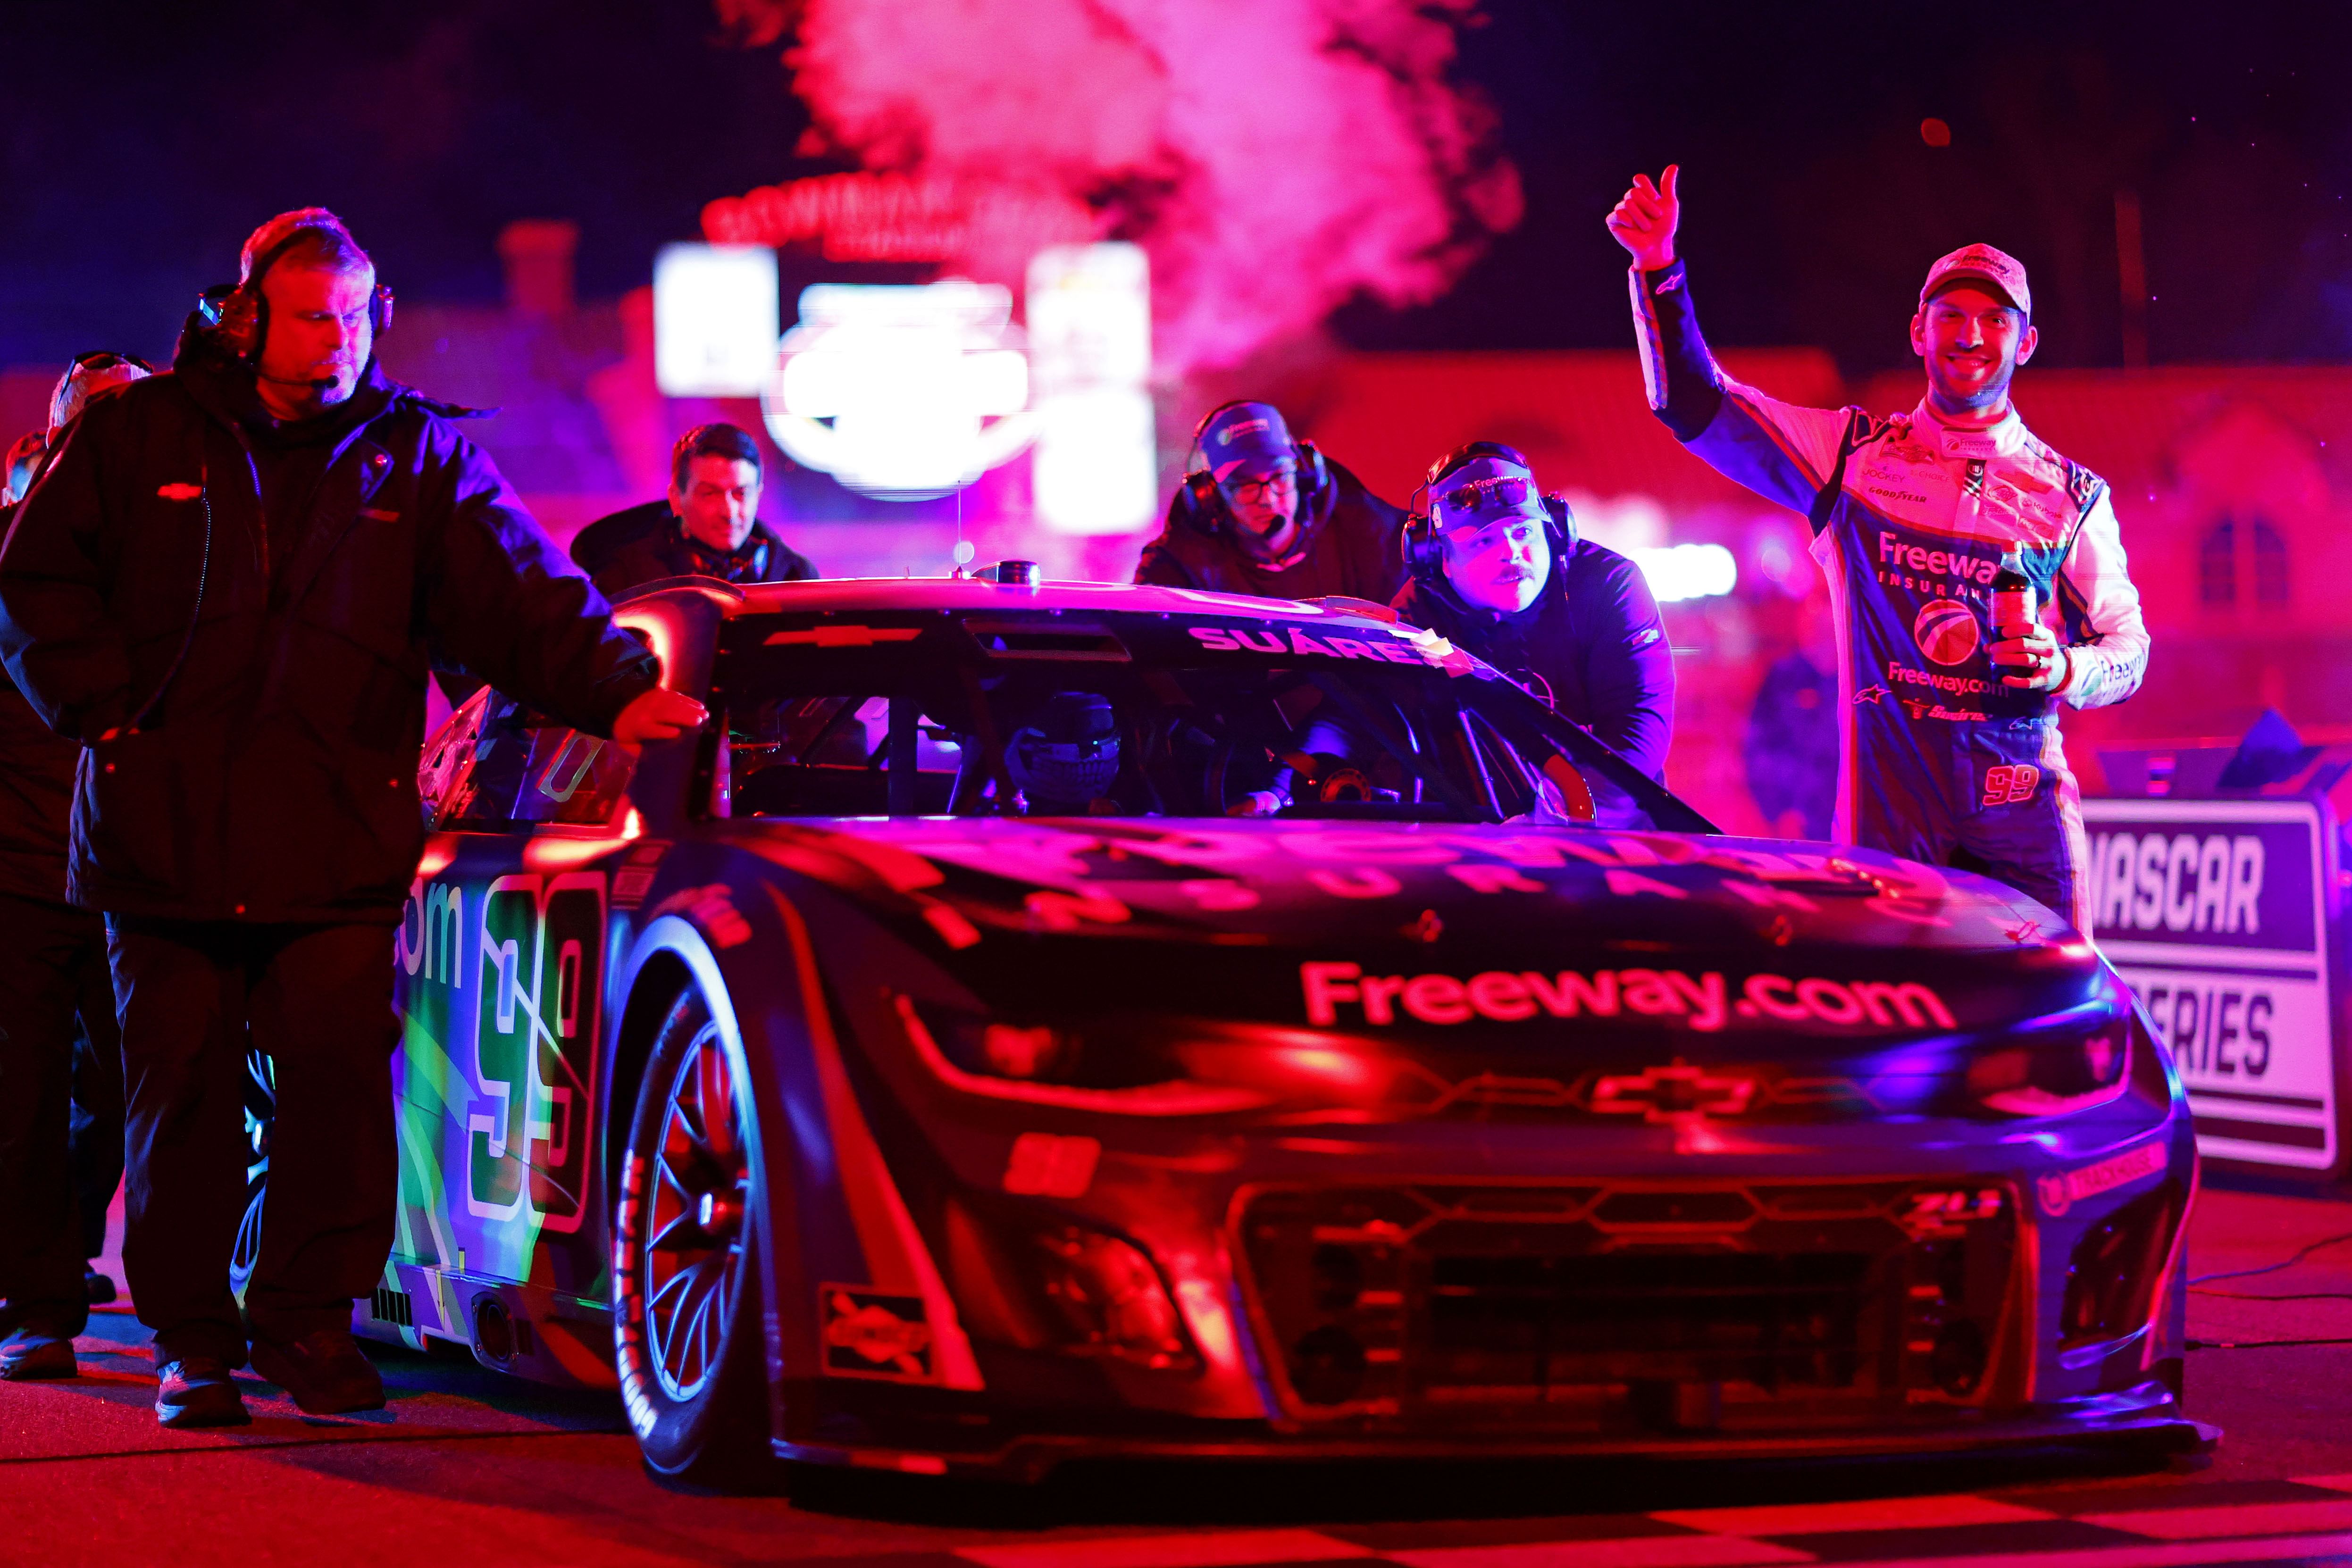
525	772
826	756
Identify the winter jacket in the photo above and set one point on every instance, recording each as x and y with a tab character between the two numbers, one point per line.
1350	542
36	785
253	725
1592	646
645	544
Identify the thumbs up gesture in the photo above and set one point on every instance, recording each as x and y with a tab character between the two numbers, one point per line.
1645	221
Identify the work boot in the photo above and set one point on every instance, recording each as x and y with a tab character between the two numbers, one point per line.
198	1392
32	1353
324	1372
97	1287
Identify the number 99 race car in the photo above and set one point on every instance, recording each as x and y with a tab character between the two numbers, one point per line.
1041	1021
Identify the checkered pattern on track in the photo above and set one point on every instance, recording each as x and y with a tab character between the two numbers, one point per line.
2155	1526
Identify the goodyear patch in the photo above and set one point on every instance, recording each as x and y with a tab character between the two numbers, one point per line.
870	1335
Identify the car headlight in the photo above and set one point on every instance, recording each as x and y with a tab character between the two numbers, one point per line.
1159	1067
2055	1075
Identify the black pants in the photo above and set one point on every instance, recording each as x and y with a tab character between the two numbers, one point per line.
52	994
94	1134
318	1000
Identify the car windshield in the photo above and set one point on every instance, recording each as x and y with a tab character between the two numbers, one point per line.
1052	713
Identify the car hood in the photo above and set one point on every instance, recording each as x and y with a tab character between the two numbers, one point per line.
1444	931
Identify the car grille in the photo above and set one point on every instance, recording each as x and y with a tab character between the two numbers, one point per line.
1652	1306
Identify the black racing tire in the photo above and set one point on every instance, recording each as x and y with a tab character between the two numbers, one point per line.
260	1115
689	1341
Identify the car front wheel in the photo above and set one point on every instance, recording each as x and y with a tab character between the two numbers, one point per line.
688	1338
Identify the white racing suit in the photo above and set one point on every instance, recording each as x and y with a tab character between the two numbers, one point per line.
1938	761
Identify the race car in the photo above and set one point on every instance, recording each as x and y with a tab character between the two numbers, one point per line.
1034	1021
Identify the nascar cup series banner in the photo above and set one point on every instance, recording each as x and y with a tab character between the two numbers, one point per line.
2215	912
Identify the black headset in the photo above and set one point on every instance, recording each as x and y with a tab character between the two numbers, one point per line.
1424	547
237	316
1208	503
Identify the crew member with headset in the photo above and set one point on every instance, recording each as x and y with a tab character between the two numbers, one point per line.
1261	514
707	526
1498	569
228	586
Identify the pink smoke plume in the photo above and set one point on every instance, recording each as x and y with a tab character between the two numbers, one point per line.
1274	157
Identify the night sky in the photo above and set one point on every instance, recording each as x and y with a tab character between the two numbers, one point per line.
143	141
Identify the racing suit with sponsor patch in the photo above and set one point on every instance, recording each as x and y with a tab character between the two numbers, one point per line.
1939	761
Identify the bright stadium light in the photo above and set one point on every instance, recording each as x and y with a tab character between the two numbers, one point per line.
1636	527
714	319
901	392
1686	571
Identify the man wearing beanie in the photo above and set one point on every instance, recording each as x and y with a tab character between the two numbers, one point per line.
228	586
1949	746
1261	514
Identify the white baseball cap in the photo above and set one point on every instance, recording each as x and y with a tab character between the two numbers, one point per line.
1980	263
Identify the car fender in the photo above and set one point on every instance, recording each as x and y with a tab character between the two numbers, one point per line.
834	1213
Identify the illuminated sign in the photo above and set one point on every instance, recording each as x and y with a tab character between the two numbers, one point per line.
901	392
714	319
892	217
1090	355
2215	912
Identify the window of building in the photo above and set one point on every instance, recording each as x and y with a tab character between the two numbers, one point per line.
2217	564
2270	564
2243	565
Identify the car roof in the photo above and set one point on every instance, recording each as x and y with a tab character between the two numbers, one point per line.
900	593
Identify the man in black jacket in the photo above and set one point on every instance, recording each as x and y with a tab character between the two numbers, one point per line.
1498	569
60	1058
708	525
1264	515
229	585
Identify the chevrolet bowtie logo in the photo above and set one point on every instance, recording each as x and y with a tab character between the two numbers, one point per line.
1676	1093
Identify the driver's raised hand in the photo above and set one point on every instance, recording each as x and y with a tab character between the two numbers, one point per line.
1645	221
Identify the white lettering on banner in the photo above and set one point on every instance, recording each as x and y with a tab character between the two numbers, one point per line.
2061	1192
2179	881
2214	913
2237	1031
1701	1002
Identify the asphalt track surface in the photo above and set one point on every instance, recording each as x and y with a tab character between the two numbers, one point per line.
467	1467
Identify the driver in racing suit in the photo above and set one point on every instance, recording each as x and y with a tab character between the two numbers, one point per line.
1948	749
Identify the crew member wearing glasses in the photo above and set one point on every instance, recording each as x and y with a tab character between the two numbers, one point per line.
1497	570
1260	513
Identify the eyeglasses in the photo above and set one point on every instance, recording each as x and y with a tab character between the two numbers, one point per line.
1505	493
106	359
1255	490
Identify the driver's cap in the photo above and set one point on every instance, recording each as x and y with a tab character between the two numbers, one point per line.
1979	264
1247	441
